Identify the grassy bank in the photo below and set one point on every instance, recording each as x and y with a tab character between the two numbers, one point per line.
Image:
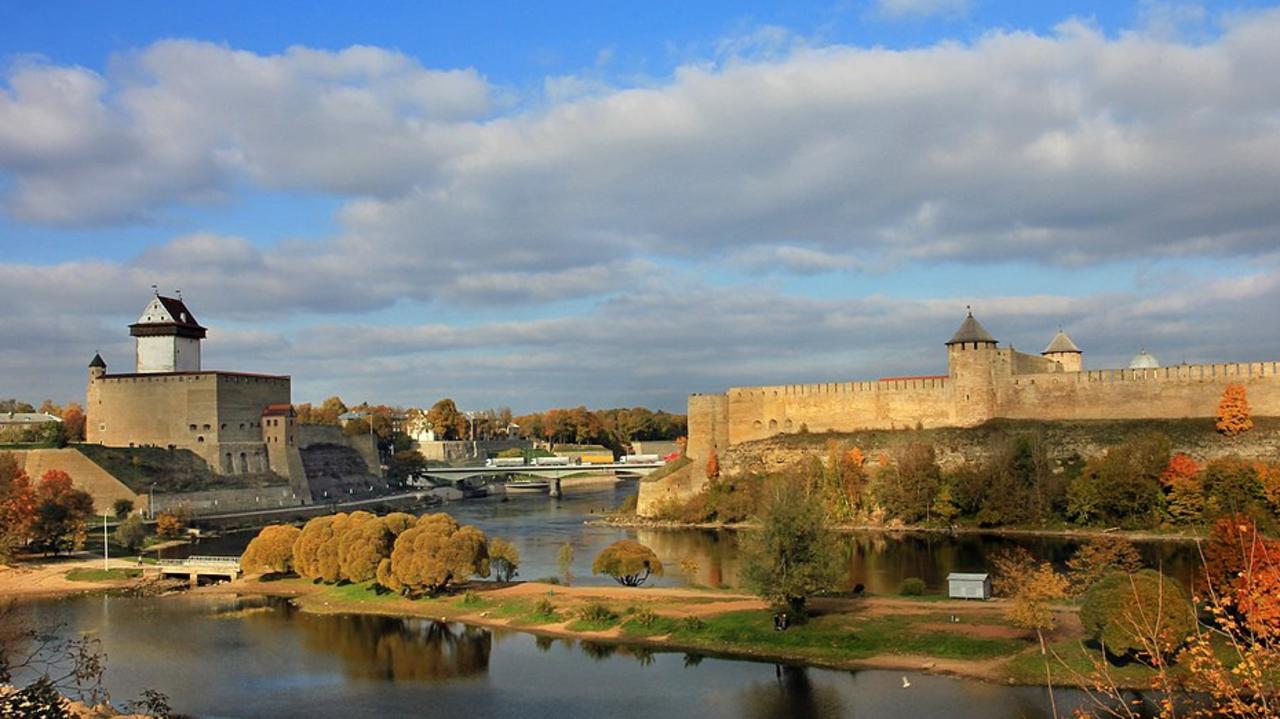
931	634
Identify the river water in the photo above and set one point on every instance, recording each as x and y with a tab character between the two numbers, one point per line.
253	658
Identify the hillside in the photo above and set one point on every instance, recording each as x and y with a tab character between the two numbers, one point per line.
170	470
1064	440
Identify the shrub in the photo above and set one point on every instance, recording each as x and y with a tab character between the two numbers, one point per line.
544	607
122	507
644	617
1142	614
597	612
470	598
629	562
692	623
912	587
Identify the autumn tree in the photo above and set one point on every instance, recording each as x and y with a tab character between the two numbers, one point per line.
433	554
271	551
1099	557
504	559
906	490
168	525
328	562
1184	493
713	466
1232	486
1233	411
1122	610
366	542
73	419
790	557
17	505
629	562
1011	568
61	513
448	422
564	560
306	548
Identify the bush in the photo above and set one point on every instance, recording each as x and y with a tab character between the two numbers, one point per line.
271	550
122	507
644	617
1139	614
597	613
544	607
168	525
692	623
912	587
629	562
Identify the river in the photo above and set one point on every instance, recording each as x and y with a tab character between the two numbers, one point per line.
220	657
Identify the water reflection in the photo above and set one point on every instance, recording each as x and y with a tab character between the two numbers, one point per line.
792	694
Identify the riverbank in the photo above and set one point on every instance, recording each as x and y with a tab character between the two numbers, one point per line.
929	634
631	521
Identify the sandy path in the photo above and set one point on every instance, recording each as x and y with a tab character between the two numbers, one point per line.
47	578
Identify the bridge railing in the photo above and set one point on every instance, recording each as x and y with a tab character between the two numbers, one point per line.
201	561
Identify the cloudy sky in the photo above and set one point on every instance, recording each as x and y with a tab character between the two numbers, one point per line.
589	204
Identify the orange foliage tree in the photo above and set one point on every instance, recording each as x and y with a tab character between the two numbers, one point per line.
433	554
713	466
17	505
168	525
61	513
271	550
1233	411
1184	493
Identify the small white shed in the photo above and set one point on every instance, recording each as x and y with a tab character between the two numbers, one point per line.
962	585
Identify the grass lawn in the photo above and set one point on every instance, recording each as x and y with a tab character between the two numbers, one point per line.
102	575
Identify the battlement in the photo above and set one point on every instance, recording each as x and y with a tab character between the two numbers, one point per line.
234	377
828	389
1216	372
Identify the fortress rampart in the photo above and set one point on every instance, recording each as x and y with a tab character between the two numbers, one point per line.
983	382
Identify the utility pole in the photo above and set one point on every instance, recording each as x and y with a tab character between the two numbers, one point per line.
106	560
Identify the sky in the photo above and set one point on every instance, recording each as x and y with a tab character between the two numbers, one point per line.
606	204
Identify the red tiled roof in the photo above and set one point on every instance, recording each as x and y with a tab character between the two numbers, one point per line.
278	410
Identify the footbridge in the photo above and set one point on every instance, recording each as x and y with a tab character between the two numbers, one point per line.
194	567
551	472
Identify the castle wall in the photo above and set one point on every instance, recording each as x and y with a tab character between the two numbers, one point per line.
1161	393
217	415
709	420
759	412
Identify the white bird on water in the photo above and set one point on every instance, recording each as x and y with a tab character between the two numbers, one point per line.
905	683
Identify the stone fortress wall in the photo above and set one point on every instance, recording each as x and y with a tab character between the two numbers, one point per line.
983	382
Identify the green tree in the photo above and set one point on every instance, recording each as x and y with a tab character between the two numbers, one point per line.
433	554
122	507
1122	487
448	422
271	551
629	562
1233	486
907	492
504	559
131	533
790	557
1143	613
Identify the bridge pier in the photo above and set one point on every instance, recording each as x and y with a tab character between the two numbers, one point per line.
555	487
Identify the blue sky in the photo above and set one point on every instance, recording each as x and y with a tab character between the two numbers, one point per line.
586	203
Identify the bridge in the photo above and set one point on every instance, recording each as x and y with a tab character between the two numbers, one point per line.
552	472
196	566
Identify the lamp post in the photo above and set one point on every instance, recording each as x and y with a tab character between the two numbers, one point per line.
151	500
471	420
106	560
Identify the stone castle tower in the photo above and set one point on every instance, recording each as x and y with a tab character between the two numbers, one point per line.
166	337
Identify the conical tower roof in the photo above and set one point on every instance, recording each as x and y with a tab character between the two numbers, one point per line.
1061	343
971	330
97	361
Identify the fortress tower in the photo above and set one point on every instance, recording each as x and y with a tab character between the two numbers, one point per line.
971	364
166	337
1065	352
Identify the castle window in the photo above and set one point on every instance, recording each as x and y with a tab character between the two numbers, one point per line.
222	426
757	424
191	427
200	438
206	427
773	425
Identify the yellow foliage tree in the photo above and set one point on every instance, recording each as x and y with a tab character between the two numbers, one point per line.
1233	411
271	550
504	558
168	525
365	543
306	547
713	466
433	554
629	562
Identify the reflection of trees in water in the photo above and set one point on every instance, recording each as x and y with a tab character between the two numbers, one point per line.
792	694
387	648
601	651
716	552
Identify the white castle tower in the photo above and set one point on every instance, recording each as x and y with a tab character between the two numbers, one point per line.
167	337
